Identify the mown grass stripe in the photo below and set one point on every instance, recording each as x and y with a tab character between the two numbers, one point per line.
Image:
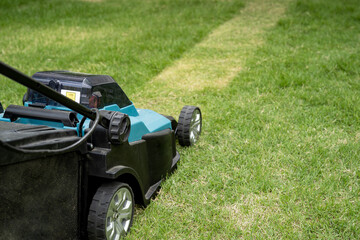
215	61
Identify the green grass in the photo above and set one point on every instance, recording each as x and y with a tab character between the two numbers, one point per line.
129	40
278	157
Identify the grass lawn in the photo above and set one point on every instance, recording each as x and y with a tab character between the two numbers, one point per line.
277	82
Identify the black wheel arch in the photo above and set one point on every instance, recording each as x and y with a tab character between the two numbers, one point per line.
124	175
173	121
135	186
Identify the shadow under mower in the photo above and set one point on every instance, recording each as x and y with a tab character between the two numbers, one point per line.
78	155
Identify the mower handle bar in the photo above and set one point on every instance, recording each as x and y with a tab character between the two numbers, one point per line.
29	82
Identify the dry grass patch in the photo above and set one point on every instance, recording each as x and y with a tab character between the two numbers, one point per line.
251	210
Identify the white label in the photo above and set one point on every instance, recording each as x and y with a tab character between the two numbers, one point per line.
73	95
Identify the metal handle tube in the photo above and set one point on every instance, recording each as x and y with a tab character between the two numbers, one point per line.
29	82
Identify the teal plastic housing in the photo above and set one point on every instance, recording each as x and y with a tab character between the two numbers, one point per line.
143	121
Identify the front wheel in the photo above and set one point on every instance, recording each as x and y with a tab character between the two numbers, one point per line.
189	125
111	212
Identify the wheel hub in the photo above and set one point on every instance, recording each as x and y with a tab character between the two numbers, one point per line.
119	214
195	126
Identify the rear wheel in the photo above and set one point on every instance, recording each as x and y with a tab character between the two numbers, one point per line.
111	211
189	125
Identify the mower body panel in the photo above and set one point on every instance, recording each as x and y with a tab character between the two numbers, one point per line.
142	161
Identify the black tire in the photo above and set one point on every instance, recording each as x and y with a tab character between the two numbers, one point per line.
108	214
189	125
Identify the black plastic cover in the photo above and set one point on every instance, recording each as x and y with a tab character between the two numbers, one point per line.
103	87
92	80
148	160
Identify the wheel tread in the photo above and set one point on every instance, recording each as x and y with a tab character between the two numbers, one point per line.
98	209
183	129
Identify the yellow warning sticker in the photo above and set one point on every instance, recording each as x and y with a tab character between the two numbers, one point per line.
71	95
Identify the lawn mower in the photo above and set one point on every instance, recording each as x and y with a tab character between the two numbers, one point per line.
78	156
